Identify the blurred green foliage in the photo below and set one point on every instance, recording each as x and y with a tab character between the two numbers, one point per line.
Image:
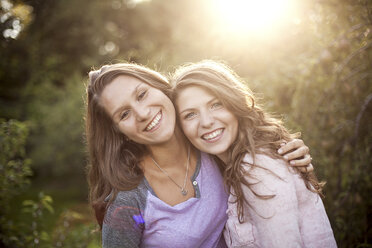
14	168
315	71
25	225
14	173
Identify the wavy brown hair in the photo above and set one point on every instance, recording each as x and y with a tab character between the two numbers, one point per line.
113	159
258	131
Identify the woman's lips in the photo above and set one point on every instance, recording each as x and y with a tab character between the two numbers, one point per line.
213	136
154	124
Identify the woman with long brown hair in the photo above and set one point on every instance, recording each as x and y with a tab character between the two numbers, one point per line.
149	186
271	204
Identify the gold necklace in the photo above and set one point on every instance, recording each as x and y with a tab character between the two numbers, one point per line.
183	188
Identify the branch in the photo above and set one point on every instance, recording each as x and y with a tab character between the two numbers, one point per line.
350	57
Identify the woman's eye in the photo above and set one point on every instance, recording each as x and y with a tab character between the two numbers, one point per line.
189	116
216	105
124	115
141	95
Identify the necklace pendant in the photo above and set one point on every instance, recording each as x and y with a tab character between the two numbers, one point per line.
184	192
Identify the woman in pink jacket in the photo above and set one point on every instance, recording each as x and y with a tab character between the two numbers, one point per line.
271	204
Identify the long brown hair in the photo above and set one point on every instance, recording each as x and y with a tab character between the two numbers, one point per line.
258	132
113	159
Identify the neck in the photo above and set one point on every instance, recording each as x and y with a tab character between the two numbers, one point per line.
223	157
168	153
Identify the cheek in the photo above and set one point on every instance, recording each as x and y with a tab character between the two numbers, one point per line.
128	128
124	130
189	129
170	107
233	123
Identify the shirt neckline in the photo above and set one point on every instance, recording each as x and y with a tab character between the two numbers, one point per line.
193	177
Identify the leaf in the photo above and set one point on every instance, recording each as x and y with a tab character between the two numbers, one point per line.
44	236
28	203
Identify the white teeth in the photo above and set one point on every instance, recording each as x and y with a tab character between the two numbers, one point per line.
154	122
212	135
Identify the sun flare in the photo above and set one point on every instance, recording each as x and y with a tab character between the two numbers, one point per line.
253	15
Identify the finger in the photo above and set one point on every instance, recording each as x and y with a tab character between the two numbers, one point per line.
299	153
283	143
293	144
306	169
301	162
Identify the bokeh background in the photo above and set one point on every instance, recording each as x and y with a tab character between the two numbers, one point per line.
310	61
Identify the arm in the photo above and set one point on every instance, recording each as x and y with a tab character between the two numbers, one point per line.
123	225
275	220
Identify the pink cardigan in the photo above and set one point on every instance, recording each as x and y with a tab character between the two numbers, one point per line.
295	217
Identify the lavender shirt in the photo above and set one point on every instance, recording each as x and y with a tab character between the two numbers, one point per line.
138	218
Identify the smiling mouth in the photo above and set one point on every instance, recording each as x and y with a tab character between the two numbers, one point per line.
154	123
213	136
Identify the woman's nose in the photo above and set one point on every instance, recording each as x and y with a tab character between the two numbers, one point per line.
143	113
206	120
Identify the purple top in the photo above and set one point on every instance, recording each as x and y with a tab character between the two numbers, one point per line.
138	218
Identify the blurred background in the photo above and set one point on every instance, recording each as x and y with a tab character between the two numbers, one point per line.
310	61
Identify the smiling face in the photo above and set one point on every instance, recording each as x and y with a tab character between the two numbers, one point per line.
208	125
141	112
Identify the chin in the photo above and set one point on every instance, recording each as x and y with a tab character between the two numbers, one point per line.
214	151
167	135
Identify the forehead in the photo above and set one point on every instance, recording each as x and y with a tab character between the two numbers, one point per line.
193	96
120	85
119	91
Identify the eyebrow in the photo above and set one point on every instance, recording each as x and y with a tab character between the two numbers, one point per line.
188	109
133	95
